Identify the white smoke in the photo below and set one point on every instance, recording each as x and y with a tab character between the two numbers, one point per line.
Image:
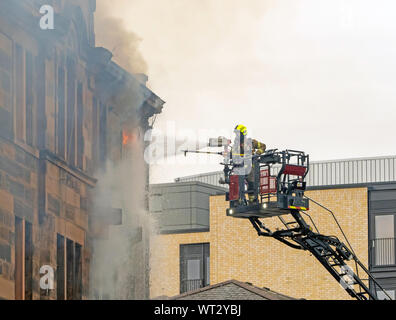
120	265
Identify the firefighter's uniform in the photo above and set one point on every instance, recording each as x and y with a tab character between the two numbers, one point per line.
258	147
255	148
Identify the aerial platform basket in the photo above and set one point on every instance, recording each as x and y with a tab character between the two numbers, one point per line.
277	186
263	210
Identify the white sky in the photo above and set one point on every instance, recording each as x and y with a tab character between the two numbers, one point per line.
314	75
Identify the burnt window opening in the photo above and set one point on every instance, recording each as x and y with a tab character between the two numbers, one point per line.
60	129
69	269
29	98
194	266
80	123
23	260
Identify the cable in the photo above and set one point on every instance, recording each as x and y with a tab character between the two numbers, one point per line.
310	218
339	226
342	231
355	258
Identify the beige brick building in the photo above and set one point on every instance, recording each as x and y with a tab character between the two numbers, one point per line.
237	252
360	192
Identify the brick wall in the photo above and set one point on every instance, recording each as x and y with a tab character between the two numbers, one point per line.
236	252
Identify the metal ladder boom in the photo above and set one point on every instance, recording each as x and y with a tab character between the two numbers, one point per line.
329	251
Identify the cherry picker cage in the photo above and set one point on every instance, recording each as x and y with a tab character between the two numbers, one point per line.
277	184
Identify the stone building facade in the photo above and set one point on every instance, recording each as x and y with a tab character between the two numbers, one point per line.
57	129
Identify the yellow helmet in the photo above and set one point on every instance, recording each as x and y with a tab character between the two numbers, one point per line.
241	128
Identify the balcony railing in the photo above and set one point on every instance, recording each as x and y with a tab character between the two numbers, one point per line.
383	252
191	285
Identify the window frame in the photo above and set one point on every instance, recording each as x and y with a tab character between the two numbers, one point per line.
203	257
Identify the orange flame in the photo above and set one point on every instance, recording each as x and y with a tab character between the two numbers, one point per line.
125	138
128	138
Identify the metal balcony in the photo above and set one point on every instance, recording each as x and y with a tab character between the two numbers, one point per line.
191	285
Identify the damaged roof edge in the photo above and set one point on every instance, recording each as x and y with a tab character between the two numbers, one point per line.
123	76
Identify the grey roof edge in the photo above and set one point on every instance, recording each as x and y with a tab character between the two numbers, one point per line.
181	231
369	185
262	292
354	159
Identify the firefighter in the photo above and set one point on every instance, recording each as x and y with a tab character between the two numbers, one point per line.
239	142
240	139
252	147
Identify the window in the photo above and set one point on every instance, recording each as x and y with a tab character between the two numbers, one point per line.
384	226
194	266
71	121
23	260
19	259
80	122
94	131
69	270
24	95
28	261
61	113
70	113
384	240
6	123
77	291
19	92
102	134
60	270
29	98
